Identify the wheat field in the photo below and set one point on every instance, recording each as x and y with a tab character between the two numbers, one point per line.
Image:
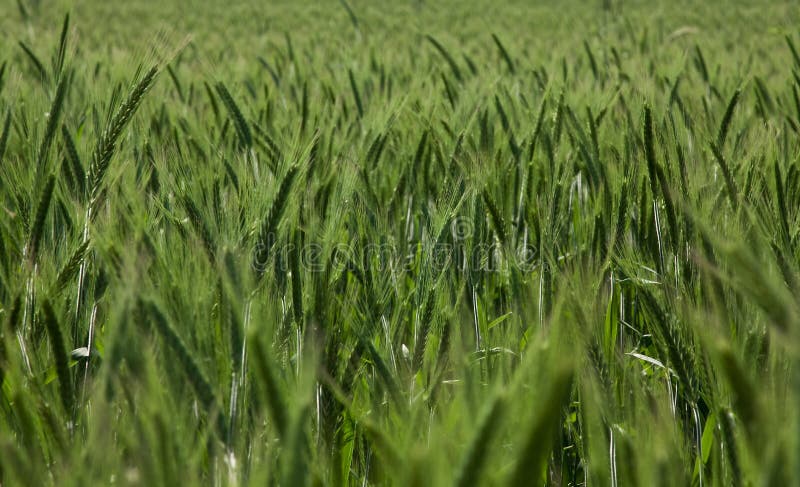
418	243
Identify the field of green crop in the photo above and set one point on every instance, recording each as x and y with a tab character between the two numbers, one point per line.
350	242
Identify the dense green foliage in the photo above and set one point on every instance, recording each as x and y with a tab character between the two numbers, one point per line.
400	244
